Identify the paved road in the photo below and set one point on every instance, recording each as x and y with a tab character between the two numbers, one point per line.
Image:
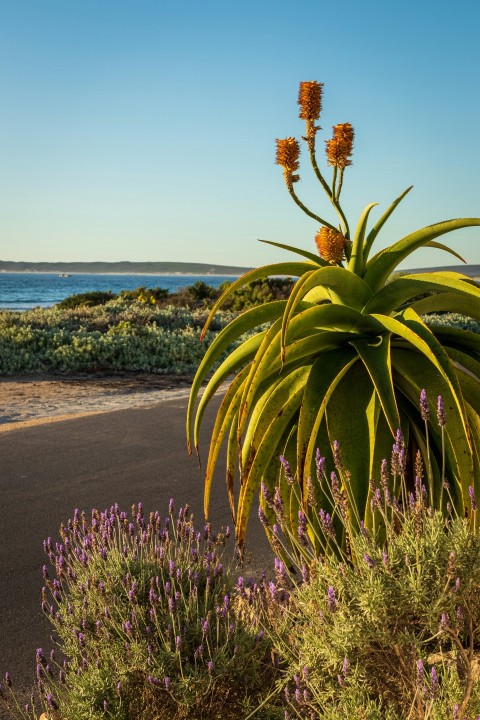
47	470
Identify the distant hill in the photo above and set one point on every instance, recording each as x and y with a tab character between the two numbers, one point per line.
472	271
168	268
130	268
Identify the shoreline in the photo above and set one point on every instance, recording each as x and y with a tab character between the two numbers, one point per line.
28	400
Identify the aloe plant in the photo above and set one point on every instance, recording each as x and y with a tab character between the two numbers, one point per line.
345	358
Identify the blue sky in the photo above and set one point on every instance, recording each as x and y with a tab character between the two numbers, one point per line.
144	130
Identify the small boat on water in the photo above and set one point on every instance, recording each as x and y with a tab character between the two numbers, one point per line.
64	275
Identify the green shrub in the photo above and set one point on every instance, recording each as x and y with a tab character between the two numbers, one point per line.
143	610
88	299
116	336
381	624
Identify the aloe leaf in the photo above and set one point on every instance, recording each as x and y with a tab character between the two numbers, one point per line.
454	337
293	269
243	323
380	223
410	327
345	289
223	422
299	251
376	358
400	291
381	265
239	357
231	465
273	405
257	420
327	390
441	246
266	451
305	350
353	436
324	371
356	262
417	375
466	363
447	302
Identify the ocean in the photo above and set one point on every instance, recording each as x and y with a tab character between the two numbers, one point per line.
23	291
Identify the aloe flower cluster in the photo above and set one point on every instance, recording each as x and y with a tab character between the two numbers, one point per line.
342	358
143	610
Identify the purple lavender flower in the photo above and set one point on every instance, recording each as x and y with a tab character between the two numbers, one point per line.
51	702
320	464
473	499
441	417
434	681
287	470
420	673
210	667
370	563
443	622
40	657
273	590
262	517
424	411
267	496
331	599
337	457
281	572
305	573
153	680
105	706
384	474
278	505
302	528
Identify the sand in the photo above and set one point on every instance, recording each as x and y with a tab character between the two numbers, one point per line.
28	400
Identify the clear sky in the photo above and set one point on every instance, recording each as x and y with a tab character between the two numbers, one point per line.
145	129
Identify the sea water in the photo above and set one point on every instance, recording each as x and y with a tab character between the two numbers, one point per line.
23	291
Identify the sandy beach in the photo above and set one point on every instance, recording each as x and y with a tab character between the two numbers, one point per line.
28	400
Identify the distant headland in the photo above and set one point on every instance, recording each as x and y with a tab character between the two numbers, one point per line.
123	268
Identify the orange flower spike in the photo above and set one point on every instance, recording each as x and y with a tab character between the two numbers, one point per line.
331	245
339	148
288	153
310	101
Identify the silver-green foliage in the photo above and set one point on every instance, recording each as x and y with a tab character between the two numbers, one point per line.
116	336
388	629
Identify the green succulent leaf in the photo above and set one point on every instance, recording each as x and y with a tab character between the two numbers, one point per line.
381	265
377	361
298	251
380	223
294	269
398	292
356	262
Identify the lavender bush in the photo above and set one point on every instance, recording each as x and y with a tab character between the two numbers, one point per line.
384	626
144	614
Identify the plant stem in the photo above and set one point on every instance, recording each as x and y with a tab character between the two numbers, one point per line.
306	210
330	192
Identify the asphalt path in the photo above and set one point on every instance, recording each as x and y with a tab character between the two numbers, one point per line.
47	470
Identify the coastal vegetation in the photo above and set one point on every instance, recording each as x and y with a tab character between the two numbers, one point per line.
354	414
148	330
